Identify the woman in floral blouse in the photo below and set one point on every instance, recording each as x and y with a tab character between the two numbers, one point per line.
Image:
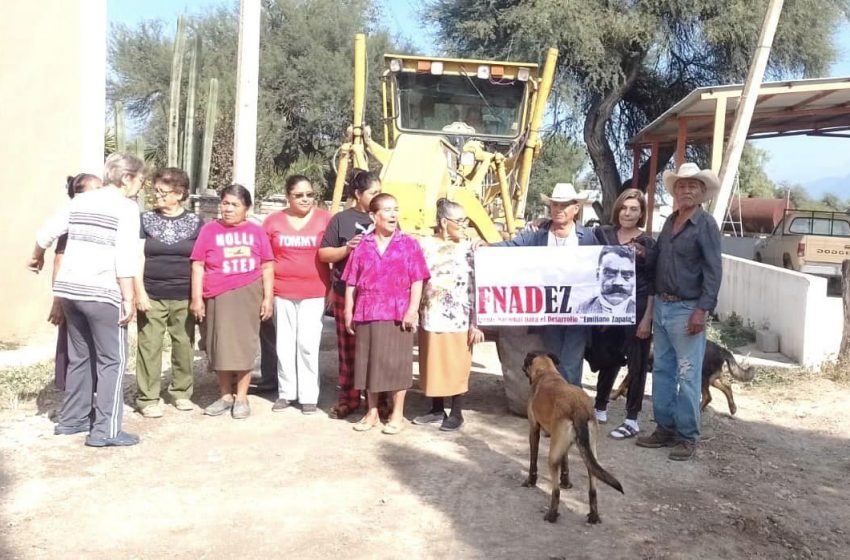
448	326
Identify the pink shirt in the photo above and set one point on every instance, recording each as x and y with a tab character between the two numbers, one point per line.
383	281
298	273
232	255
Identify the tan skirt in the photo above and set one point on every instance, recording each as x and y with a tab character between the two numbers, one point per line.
233	328
383	357
444	363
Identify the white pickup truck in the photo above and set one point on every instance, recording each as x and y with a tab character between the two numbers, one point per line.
807	241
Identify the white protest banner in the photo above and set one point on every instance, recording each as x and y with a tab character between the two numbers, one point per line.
589	285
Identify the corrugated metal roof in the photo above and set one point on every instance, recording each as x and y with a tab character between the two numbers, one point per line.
815	106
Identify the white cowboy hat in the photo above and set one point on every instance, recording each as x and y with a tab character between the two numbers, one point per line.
564	192
692	171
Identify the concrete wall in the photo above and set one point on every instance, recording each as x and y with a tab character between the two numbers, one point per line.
744	247
53	60
792	304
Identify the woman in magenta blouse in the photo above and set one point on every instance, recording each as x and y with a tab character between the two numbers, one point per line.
383	278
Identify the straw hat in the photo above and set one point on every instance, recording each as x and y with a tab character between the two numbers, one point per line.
692	171
564	192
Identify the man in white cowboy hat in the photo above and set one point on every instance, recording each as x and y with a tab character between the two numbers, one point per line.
687	280
567	342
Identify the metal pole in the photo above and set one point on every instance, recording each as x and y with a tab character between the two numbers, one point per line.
245	130
744	114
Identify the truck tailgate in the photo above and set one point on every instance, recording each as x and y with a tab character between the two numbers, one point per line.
826	249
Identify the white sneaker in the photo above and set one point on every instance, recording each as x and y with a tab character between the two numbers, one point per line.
184	405
152	411
602	416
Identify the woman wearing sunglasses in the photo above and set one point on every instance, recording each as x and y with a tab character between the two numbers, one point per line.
301	292
163	294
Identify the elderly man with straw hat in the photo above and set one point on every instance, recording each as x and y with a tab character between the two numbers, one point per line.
567	342
687	280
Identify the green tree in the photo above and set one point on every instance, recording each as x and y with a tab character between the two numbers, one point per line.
305	87
561	160
752	178
628	61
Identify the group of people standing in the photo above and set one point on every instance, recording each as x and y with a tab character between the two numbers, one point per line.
381	285
170	270
676	283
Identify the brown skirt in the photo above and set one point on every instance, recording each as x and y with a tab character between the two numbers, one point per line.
233	328
444	363
383	357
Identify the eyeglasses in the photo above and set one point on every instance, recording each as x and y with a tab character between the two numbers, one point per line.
462	222
158	192
308	195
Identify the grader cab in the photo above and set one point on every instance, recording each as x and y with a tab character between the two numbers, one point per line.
467	130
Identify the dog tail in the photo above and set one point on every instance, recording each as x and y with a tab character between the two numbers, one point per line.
740	373
583	442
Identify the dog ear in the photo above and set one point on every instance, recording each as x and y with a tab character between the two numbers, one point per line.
554	358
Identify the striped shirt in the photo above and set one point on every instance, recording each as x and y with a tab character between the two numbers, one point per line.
103	245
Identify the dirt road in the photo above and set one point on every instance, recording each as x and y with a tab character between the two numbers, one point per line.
769	483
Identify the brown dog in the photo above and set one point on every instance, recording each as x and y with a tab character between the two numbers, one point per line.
565	412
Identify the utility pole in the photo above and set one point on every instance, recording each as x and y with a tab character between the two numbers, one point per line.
247	88
744	113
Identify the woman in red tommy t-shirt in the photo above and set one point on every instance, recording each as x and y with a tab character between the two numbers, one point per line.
301	285
232	276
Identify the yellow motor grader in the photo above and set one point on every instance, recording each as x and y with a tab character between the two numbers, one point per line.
467	130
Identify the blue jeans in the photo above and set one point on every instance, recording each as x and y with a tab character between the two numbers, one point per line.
676	370
568	344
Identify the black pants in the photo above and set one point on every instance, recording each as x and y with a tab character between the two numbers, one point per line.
637	360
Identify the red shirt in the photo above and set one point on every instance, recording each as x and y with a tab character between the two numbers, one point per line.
298	274
232	255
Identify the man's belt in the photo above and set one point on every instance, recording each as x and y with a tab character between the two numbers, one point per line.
670	298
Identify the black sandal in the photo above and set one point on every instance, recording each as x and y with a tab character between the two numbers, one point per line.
624	431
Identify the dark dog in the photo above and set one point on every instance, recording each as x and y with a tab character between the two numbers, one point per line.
712	375
566	413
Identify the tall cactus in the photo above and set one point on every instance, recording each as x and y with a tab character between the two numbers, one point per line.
140	147
173	154
189	125
118	115
209	132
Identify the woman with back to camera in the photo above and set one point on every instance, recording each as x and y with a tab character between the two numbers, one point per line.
163	294
301	285
232	287
384	278
613	347
344	233
78	184
447	317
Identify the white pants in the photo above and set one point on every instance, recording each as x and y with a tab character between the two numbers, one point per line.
299	332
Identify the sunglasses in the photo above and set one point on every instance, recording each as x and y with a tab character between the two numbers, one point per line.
308	195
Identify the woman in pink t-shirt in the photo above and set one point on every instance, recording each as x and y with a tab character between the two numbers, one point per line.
383	278
232	278
301	285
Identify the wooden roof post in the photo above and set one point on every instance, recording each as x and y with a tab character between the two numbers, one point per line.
719	134
681	142
650	186
635	166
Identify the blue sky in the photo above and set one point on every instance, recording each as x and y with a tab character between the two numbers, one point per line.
804	160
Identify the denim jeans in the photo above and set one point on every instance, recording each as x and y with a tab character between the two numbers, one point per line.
676	370
568	344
